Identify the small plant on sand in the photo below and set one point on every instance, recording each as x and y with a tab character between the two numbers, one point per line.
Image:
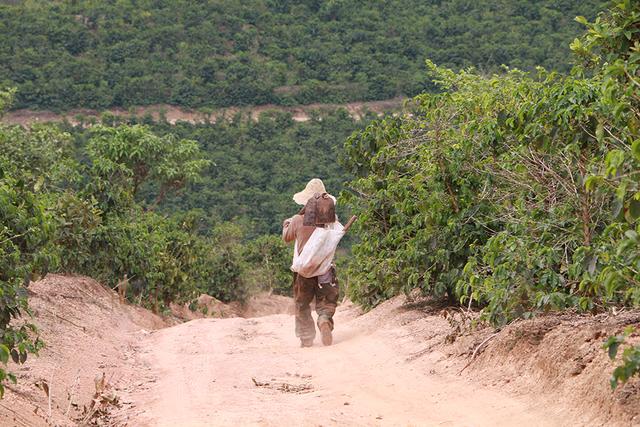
630	365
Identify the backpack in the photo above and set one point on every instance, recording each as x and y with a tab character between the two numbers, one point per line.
319	210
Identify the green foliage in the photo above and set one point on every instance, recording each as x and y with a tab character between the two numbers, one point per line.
6	99
268	259
25	253
24	239
107	230
495	191
125	158
611	45
90	54
28	166
226	280
260	165
236	269
41	156
255	166
630	358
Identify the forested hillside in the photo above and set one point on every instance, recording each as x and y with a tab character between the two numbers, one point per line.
100	54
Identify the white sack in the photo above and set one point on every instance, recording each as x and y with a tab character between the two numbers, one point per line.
317	255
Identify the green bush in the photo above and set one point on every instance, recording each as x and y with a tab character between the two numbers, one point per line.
494	191
25	253
26	231
268	260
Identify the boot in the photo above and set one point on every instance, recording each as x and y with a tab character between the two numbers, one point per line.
306	342
325	331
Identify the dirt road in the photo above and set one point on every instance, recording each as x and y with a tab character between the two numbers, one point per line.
395	365
252	372
174	114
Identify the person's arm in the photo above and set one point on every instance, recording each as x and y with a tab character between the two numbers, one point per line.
290	228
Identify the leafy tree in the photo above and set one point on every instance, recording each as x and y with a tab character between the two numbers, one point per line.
610	48
124	159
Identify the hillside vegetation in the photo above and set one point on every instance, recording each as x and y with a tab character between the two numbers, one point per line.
99	54
255	165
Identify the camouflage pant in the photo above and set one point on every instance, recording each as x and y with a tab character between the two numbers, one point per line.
304	290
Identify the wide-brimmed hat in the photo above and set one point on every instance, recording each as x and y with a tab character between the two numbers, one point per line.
314	186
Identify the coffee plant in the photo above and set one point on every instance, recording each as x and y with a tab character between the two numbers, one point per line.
25	254
630	357
478	193
515	192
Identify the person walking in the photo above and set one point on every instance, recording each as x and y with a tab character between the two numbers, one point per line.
321	285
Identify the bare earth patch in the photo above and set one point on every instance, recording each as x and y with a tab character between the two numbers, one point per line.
174	114
392	366
88	334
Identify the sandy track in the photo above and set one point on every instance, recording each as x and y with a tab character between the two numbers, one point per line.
174	114
395	365
252	372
